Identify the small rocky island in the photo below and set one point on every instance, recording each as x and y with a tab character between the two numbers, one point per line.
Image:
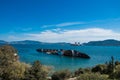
69	53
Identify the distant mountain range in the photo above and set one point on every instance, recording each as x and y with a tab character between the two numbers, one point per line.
20	42
108	42
29	42
25	42
2	42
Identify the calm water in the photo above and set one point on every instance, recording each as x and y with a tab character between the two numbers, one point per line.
98	54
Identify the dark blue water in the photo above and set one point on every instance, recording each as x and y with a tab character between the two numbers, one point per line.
98	54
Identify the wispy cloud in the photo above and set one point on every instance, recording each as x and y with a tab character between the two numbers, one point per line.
63	24
82	35
69	24
57	30
46	26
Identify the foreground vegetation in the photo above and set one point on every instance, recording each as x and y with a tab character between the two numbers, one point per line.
12	69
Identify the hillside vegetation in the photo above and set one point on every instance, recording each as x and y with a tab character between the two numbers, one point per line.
12	69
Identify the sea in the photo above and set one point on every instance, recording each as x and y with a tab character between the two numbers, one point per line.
98	54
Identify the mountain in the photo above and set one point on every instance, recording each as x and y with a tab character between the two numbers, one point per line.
25	42
3	42
31	42
109	42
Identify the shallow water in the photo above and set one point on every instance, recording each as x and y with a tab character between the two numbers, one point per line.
98	54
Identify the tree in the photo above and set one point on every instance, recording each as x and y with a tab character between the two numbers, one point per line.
117	63
35	72
10	67
111	66
100	68
8	55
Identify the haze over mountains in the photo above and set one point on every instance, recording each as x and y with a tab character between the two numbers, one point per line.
108	42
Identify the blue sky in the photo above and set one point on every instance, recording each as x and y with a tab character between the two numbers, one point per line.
59	20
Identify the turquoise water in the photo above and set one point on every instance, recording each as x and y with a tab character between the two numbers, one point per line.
98	54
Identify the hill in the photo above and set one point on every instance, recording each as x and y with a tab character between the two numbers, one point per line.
25	42
108	42
3	42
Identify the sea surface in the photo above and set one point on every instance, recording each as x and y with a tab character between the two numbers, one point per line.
98	54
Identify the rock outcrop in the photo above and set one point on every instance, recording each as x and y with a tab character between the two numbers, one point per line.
69	53
74	53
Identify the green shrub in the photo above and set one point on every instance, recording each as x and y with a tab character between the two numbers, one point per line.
15	71
92	76
10	67
7	55
100	68
61	75
116	73
36	72
78	72
115	76
82	71
111	66
117	63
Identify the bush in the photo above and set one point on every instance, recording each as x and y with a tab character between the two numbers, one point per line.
100	68
92	76
117	63
78	72
10	67
36	72
116	74
111	66
7	55
15	71
61	75
82	71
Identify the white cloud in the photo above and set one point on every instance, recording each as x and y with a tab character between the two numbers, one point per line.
83	35
46	26
63	24
56	30
69	24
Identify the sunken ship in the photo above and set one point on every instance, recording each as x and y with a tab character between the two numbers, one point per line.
69	53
